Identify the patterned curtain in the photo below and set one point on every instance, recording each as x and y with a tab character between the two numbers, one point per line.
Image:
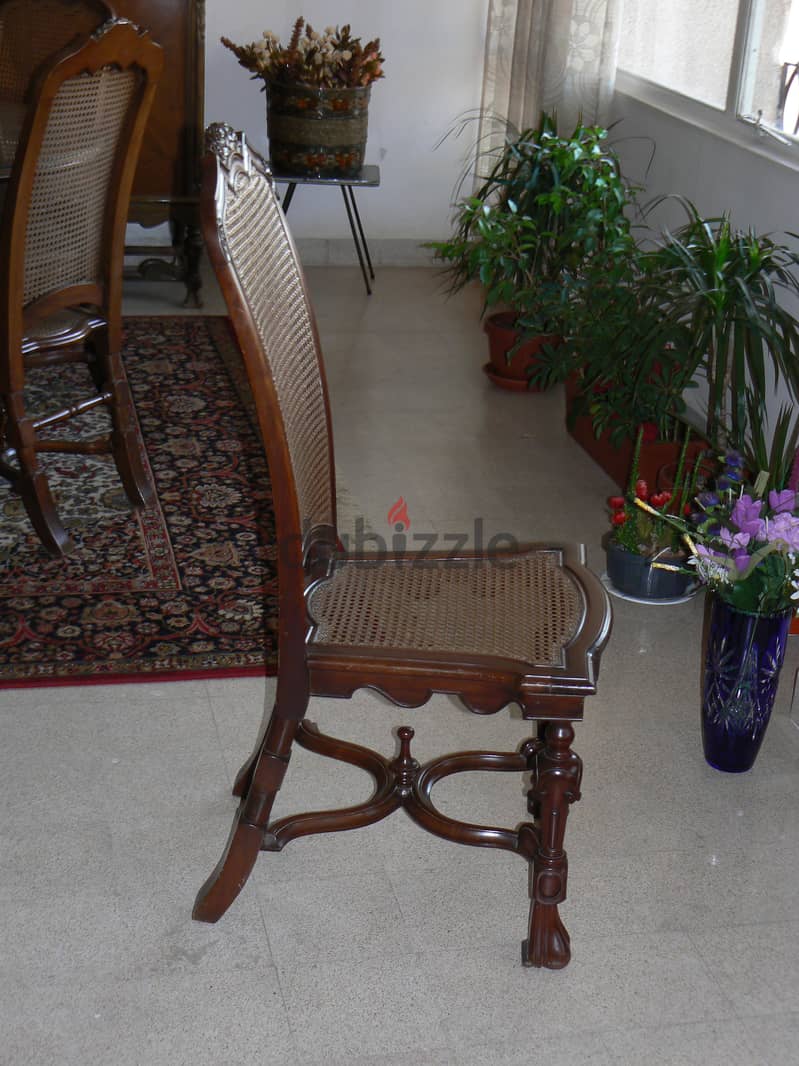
548	55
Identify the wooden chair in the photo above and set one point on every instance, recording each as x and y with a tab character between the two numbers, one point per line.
61	251
524	626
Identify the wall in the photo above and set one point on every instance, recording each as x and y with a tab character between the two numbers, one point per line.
715	173
434	63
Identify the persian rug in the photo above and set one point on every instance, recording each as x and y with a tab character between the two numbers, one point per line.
184	589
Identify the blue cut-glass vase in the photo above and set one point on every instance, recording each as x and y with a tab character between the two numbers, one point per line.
743	658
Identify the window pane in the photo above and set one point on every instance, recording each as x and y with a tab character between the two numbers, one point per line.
684	45
771	81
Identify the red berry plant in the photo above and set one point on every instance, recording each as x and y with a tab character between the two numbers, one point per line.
648	532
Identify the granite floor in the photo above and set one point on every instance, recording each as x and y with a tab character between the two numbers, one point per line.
386	946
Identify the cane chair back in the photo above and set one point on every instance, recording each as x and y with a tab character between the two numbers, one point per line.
72	185
273	289
525	626
62	244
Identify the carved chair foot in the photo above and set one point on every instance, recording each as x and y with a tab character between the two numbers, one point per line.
548	944
231	872
557	772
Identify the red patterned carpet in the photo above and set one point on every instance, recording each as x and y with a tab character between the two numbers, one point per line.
186	588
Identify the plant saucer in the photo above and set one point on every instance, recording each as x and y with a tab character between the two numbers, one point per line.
667	601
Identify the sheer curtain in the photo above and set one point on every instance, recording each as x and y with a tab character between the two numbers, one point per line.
549	55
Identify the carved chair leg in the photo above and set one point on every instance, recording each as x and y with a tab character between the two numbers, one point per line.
109	374
251	819
556	784
192	253
244	777
30	480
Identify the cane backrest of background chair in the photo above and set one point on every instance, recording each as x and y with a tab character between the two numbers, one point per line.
32	31
252	231
74	169
72	186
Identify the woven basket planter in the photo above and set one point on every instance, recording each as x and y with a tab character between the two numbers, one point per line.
317	132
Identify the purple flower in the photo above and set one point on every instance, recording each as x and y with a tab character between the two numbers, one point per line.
782	501
784	529
746	517
734	541
734	459
708	553
707	499
742	560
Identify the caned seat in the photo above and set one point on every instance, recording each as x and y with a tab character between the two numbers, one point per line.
522	625
61	251
524	606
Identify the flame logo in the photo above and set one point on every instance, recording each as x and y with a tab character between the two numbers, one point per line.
398	515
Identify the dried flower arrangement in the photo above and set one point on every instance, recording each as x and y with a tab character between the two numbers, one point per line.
330	60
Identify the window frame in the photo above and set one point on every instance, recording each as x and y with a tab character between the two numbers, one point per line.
728	123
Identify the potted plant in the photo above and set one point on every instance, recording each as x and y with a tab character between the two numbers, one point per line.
699	307
645	555
743	540
622	364
720	302
317	97
547	205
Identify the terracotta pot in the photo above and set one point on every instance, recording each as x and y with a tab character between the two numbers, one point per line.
656	458
500	328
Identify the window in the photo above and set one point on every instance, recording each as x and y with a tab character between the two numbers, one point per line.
722	62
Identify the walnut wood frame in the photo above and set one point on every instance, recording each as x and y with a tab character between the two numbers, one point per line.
24	339
551	696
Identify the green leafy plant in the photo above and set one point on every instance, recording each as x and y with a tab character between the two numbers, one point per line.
774	453
703	303
721	290
624	356
546	207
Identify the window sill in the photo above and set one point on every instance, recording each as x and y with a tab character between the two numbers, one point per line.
709	119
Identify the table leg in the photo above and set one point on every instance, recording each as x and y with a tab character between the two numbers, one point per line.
364	245
356	242
288	196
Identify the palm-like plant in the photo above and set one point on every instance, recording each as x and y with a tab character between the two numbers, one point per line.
723	285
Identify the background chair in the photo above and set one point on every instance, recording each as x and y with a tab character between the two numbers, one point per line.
526	626
61	252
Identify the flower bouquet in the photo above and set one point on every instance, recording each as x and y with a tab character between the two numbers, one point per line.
743	541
